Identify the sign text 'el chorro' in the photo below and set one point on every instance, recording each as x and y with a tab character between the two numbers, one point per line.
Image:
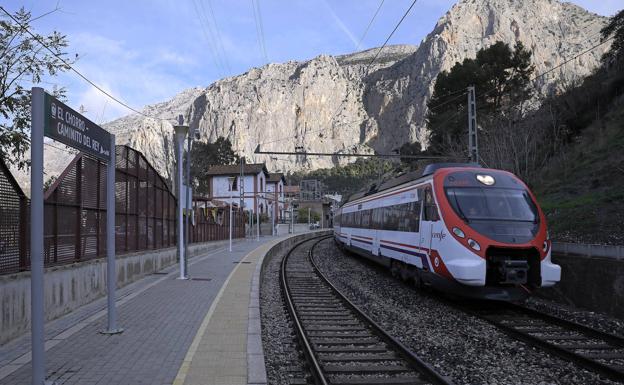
71	128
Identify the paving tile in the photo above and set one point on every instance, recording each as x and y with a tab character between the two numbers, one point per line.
159	326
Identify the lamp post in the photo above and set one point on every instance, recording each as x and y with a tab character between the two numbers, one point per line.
258	218
189	194
180	133
231	180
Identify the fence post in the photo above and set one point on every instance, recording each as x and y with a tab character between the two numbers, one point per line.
78	244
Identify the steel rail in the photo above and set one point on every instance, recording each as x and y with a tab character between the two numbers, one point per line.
425	369
315	368
613	342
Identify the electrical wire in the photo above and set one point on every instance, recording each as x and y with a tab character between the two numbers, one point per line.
259	29
337	110
217	33
390	36
214	54
66	63
369	25
554	68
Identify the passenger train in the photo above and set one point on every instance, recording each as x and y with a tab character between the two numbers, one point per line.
459	228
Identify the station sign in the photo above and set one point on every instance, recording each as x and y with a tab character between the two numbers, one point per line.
69	127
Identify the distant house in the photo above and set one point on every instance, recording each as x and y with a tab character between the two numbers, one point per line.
225	185
275	190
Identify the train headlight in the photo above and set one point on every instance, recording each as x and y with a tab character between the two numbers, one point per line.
458	232
474	244
487	180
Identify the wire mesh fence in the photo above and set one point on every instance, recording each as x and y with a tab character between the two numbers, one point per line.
13	223
75	213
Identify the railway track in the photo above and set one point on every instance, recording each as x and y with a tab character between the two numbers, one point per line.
592	349
342	345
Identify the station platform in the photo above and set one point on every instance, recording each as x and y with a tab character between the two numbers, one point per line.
205	330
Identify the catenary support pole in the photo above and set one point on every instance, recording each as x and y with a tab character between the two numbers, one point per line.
111	269
258	219
309	223
36	237
473	144
180	133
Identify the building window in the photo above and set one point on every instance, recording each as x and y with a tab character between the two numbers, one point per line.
232	183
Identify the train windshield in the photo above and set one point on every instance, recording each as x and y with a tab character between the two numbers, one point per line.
492	204
502	214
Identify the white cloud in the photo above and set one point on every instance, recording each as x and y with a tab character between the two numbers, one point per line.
135	76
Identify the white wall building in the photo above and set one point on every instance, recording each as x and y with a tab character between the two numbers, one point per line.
225	185
275	192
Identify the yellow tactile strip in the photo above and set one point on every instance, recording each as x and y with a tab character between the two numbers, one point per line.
218	353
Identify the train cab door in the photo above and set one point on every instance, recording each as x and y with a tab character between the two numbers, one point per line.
429	215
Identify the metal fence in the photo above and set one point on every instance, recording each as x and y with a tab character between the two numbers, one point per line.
145	207
13	223
75	213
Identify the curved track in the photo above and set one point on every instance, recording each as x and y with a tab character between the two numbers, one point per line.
343	345
592	349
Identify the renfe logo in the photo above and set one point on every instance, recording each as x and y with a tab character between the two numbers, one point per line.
441	235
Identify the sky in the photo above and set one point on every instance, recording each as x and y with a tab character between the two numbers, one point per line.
145	52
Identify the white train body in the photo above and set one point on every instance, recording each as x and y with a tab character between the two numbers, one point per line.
424	230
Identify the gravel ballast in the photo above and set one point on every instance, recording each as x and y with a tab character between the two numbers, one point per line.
468	350
281	352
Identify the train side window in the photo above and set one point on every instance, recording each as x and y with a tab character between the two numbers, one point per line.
366	218
377	219
391	218
430	212
415	216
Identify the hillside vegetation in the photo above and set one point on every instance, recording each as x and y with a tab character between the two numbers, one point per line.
582	189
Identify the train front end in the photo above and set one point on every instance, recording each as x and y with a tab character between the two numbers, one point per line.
499	246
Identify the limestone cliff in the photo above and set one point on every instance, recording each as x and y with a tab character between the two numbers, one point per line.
333	104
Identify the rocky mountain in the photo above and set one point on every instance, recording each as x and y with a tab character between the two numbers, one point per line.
337	104
396	97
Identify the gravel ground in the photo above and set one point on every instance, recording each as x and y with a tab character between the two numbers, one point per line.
466	349
281	352
585	317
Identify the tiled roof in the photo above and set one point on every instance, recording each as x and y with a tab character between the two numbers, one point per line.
275	177
234	169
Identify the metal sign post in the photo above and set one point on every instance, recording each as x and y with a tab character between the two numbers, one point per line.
36	236
54	119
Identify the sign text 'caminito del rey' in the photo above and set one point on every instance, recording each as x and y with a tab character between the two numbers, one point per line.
71	128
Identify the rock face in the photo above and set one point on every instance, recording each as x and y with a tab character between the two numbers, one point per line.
333	104
396	97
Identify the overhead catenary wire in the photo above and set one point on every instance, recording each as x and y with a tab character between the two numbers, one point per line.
66	63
